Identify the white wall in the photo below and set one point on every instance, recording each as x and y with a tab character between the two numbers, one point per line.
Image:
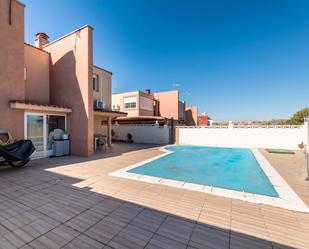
143	133
269	137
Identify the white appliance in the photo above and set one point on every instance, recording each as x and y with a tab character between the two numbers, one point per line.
116	108
99	104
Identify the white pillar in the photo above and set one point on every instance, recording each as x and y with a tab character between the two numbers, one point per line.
109	131
230	125
306	125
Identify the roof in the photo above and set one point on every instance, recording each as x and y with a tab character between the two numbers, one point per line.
133	92
27	44
141	118
68	34
28	105
108	113
103	69
128	92
162	92
19	2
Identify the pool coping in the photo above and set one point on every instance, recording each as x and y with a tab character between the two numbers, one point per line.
287	199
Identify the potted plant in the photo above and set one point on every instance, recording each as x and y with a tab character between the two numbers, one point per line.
129	137
113	135
301	146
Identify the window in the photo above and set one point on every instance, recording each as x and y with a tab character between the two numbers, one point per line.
95	82
129	102
130	105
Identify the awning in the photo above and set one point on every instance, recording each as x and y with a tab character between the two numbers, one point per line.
141	118
23	105
106	113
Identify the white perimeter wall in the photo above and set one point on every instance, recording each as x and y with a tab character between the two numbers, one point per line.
270	137
143	133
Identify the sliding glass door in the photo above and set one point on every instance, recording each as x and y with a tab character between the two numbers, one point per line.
39	129
35	131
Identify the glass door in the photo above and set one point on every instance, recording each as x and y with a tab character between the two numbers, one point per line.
40	129
53	123
35	127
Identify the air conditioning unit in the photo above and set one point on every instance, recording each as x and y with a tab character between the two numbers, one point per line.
99	105
116	108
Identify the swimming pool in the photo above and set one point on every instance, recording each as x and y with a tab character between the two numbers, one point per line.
228	168
242	174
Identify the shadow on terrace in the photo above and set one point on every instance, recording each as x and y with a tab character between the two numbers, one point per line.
58	203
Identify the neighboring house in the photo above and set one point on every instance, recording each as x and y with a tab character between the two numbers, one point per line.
134	103
191	116
204	120
147	107
170	106
52	85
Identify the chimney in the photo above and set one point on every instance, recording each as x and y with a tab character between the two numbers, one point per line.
41	39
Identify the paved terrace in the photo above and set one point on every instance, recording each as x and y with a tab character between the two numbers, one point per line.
71	202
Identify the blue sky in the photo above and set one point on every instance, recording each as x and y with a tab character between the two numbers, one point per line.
233	59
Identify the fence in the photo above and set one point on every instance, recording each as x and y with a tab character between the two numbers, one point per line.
143	133
279	137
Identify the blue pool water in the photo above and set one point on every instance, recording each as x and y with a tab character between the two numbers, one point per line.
229	168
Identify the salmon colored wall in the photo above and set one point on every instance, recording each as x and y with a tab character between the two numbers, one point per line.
12	83
168	106
37	75
71	85
202	120
106	89
191	115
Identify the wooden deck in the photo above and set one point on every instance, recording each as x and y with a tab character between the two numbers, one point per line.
72	202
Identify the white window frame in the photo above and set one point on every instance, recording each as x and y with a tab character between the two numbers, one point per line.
129	100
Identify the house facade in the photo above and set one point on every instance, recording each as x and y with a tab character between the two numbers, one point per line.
170	105
203	120
135	103
52	85
150	107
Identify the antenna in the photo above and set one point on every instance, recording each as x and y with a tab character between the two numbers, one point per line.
175	85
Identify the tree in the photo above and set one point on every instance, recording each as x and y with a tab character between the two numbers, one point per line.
298	117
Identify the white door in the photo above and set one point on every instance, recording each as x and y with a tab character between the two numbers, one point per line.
38	128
